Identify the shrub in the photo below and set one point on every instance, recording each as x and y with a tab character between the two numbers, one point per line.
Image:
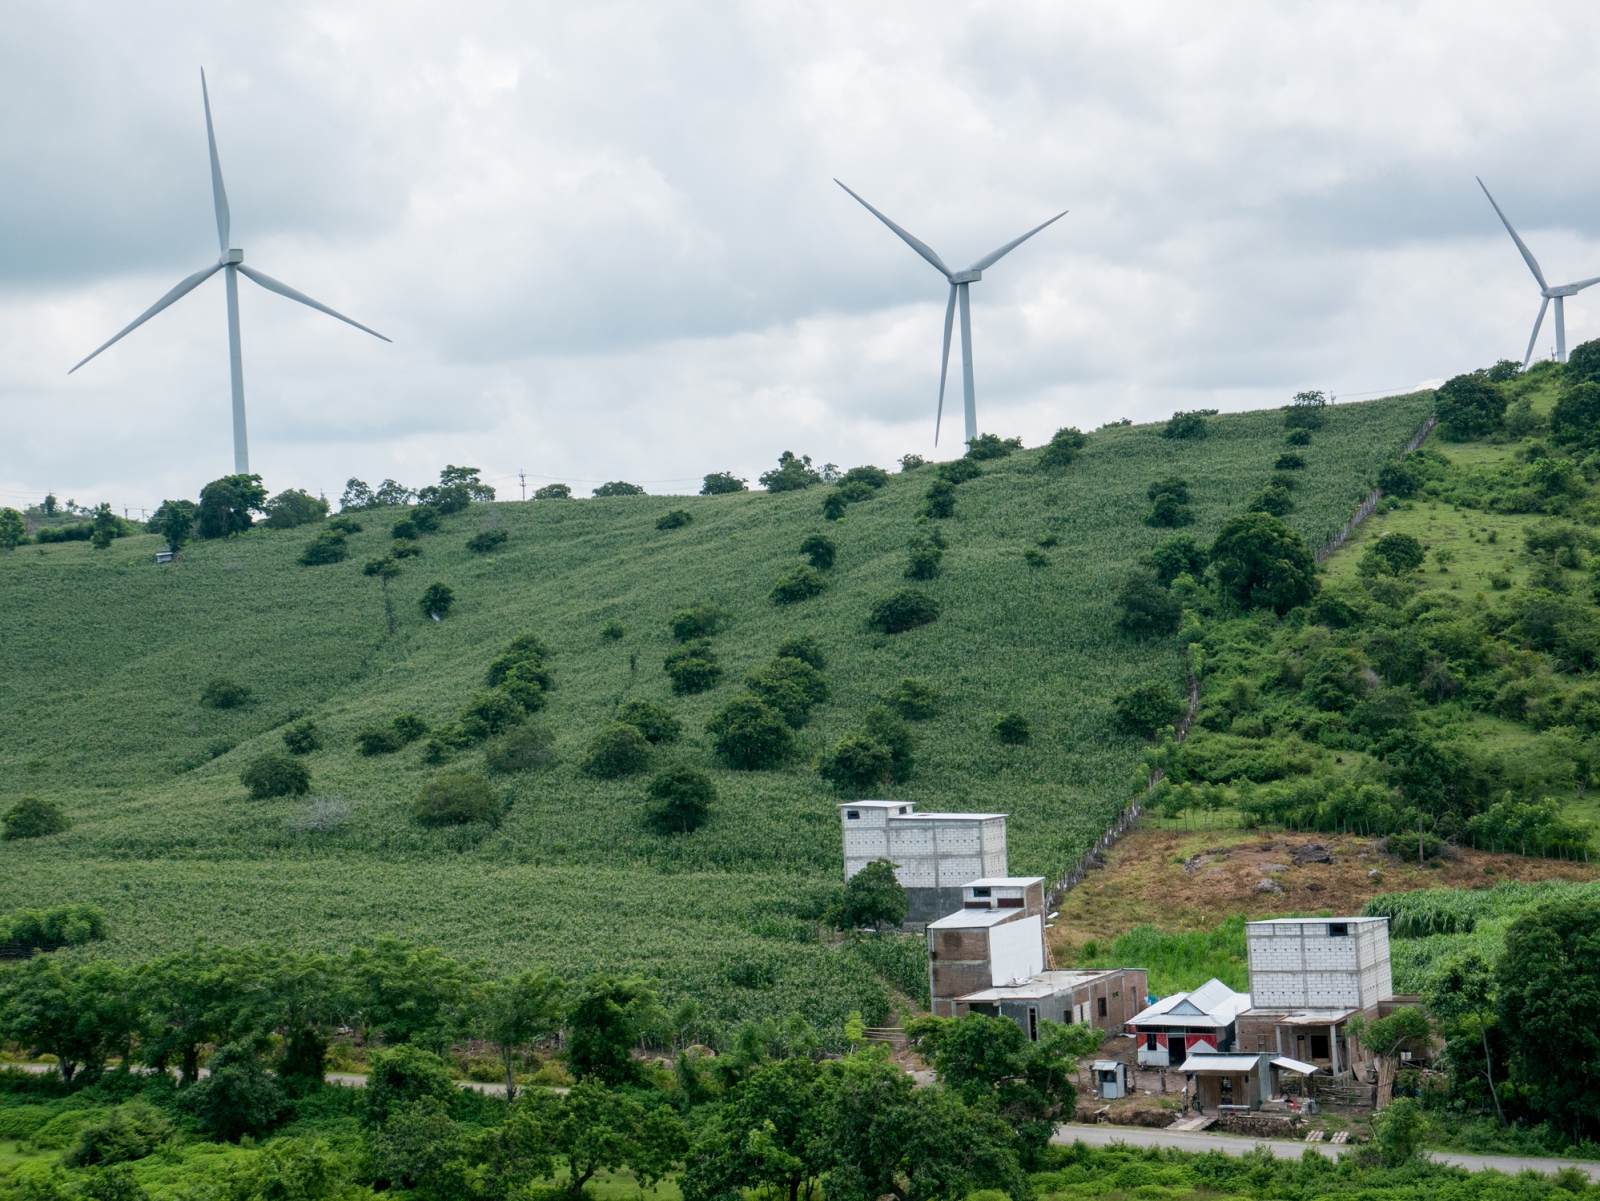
1013	729
791	474
275	774
1146	707
403	548
303	737
1035	557
494	712
1469	406
487	540
553	492
618	749
294	508
129	1132
456	801
992	446
834	505
721	483
378	741
911	463
1305	413
1262	563
1187	425
1170	497
916	700
872	477
237	1098
904	610
1272	499
855	764
58	926
699	621
800	583
401	1076
1289	461
1393	554
436	600
684	797
405	528
959	471
791	687
1301	437
345	525
527	652
612	631
1399	479
656	722
1174	556
892	733
693	668
327	547
522	748
426	518
749	735
34	818
820	550
222	693
804	648
674	519
1146	609
923	561
619	488
1064	447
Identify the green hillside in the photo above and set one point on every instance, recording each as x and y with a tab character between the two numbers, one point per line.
105	655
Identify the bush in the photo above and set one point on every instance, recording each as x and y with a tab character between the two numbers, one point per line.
693	668
893	734
1399	479
618	749
436	600
34	818
613	631
749	735
684	797
1146	609
992	446
403	548
1262	563
1013	729
129	1132
1170	499
791	474
922	563
1469	406
1393	554
494	712
856	764
222	693
804	648
58	926
789	686
958	471
275	774
1272	499
553	492
1305	413
904	610
237	1098
916	700
619	488
426	518
409	727
378	741
345	525
1187	425
940	500
1300	437
673	519
487	540
327	547
721	483
403	1075
911	463
294	508
798	584
522	748
1289	461
656	722
303	737
1174	556
699	621
834	505
1064	447
820	550
456	801
1146	707
405	528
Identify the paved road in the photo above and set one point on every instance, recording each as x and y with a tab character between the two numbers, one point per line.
1283	1148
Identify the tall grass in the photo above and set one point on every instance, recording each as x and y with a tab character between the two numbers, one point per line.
1180	962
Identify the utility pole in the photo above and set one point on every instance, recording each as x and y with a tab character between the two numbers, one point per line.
523	477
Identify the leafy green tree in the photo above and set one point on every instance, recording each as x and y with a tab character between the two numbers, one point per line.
834	505
357	495
721	483
226	505
1469	406
403	993
596	1129
1401	479
768	1137
1308	411
32	817
302	737
305	1003
607	1019
791	474
820	550
699	621
617	749
1548	980
1461	993
1400	1129
923	560
940	500
749	735
466	477
1187	425
804	648
790	686
457	801
514	1014
401	1076
485	541
656	722
275	774
873	897
1262	563
1146	609
294	507
693	667
1393	554
199	996
383	570
55	1009
856	764
903	610
12	529
1406	1029
1063	448
1273	499
553	492
619	488
992	446
327	547
1576	415
421	1148
1146	707
798	584
237	1097
521	748
683	796
436	600
105	528
890	731
175	521
1013	729
1176	555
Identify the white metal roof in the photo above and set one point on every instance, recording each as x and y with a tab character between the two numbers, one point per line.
1003	881
1213	1004
910	805
1316	921
1106	1065
1315	1017
967	919
1034	988
950	817
1295	1065
1220	1065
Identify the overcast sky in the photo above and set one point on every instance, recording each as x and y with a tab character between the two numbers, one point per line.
606	242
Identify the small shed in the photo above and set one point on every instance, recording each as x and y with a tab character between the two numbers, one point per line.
1110	1079
1228	1083
164	556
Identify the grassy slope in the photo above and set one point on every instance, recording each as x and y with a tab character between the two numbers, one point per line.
105	654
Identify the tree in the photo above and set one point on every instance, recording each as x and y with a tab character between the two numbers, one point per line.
1549	1007
1306	411
693	667
820	550
890	731
674	519
791	474
608	1018
721	483
1396	554
175	521
1399	1129
1187	425
790	686
553	492
699	621
1401	479
1146	609
597	1129
1176	555
992	446
857	763
226	505
275	774
1146	707
294	507
384	570
749	735
58	1010
617	749
1469	406
436	600
797	584
357	495
873	897
685	796
12	530
1463	990
1406	1029
1262	563
1063	448
768	1137
457	801
105	527
237	1097
516	1013
466	477
327	547
656	722
401	1076
407	994
203	995
619	488
940	500
32	817
305	1003
903	610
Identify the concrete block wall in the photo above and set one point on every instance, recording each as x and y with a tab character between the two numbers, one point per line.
1299	965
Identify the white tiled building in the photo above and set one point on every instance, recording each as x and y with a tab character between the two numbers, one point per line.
934	854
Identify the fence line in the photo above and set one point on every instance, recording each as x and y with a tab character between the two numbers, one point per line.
1366	508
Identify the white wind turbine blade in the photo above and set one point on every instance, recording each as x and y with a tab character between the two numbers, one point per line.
916	244
990	259
177	293
1584	283
944	363
1537	322
1527	255
272	285
219	194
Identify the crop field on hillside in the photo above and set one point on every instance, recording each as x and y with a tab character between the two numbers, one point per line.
106	654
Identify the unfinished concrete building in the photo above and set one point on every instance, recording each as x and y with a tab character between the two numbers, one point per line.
934	854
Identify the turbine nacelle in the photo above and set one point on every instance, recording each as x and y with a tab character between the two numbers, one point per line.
233	256
966	277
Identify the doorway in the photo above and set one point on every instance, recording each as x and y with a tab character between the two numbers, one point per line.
1176	1051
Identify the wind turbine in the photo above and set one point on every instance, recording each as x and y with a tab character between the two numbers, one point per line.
231	262
1558	293
958	290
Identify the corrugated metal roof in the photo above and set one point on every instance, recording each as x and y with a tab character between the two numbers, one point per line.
1220	1065
1004	882
1216	1003
968	919
1295	1065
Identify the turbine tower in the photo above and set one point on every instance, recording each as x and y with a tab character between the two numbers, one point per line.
231	263
958	291
1558	293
